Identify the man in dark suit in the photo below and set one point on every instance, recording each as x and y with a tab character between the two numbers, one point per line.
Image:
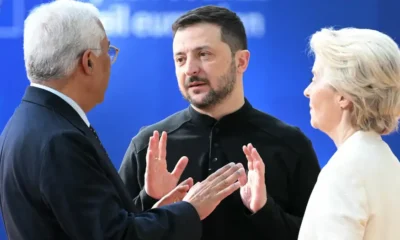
56	179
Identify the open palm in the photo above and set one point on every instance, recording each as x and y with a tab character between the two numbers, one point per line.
254	193
158	181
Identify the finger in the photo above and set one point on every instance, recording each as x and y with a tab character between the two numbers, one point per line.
224	176
156	140
180	189
243	179
151	144
259	163
162	147
149	162
250	146
220	171
179	193
176	195
247	152
180	167
188	182
221	195
230	179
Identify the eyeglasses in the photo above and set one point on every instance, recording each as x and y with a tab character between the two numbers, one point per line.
113	53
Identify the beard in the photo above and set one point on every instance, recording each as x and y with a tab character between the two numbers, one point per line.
226	84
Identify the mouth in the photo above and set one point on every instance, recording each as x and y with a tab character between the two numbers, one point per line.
196	84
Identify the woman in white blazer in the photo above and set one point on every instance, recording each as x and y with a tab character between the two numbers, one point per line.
355	98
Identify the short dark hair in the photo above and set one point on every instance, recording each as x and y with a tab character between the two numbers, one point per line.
232	28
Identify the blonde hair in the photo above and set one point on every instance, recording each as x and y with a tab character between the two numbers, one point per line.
364	66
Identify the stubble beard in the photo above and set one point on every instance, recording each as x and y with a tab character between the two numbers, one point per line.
214	96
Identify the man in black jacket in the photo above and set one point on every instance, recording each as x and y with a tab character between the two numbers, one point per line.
211	55
56	179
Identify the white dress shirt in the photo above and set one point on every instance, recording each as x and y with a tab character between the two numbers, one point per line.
357	195
71	102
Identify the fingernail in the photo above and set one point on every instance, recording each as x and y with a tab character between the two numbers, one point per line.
231	164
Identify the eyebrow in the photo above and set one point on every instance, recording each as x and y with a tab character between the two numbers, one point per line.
204	47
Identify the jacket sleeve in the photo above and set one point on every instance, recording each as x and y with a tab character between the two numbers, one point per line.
129	173
275	223
86	205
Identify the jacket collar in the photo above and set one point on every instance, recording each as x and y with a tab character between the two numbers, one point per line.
55	103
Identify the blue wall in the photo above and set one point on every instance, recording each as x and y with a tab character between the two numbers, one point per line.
143	86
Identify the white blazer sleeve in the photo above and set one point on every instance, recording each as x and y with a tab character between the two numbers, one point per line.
337	209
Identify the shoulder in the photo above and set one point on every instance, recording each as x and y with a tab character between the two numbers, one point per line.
363	156
286	134
66	142
170	124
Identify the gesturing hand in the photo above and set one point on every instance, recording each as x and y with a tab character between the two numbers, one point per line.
158	181
176	195
254	193
206	195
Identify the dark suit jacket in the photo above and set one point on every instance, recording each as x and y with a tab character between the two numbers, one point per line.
57	182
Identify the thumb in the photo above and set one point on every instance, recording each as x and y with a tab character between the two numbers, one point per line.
180	166
177	193
188	182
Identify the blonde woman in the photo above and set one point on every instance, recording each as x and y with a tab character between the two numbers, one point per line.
355	99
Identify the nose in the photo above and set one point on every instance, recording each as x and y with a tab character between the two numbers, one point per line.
192	67
307	92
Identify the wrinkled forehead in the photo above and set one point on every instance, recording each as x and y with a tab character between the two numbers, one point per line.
197	36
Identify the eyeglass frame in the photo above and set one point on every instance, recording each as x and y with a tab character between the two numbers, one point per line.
114	48
108	52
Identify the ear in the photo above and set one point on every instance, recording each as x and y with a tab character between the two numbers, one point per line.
344	102
242	60
87	62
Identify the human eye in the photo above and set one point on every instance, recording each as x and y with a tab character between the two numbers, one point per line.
179	59
204	54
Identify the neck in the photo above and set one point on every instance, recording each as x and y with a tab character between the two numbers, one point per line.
230	104
66	87
341	133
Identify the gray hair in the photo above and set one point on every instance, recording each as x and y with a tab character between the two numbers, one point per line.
363	65
56	34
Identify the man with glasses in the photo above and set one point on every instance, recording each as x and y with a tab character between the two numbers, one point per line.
56	179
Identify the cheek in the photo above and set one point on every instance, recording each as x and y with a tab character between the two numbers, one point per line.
181	81
323	105
106	65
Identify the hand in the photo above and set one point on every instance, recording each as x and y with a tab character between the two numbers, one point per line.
254	193
158	181
176	195
205	196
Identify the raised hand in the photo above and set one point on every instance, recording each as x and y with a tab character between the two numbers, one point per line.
254	193
158	181
205	196
176	195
